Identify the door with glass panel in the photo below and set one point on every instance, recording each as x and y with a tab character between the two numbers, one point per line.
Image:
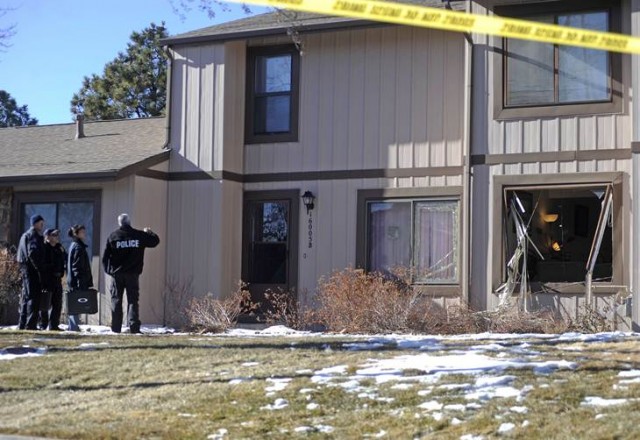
270	237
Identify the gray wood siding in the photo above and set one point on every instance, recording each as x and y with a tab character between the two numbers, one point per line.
389	97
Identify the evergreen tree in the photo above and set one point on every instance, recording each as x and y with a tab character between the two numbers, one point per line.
13	115
133	85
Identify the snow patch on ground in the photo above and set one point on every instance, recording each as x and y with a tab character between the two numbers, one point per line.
218	435
10	353
600	402
276	330
277	385
506	427
276	405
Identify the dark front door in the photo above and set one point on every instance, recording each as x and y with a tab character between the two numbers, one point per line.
270	242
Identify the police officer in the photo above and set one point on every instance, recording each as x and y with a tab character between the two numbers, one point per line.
31	259
123	259
55	260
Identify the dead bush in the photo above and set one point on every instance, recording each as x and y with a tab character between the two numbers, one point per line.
175	299
513	320
211	315
591	320
283	307
10	282
354	301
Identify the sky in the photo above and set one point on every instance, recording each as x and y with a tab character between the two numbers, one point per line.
58	42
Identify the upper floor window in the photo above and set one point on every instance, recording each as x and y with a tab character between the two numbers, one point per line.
548	74
572	80
272	94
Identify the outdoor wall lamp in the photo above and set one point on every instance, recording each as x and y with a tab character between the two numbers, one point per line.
550	218
308	199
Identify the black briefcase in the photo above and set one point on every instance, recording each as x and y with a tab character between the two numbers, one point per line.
80	302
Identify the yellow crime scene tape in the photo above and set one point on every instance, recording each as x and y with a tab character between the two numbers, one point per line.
458	21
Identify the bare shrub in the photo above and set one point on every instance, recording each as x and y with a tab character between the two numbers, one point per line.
591	320
354	301
513	320
211	315
10	282
283	307
450	320
175	299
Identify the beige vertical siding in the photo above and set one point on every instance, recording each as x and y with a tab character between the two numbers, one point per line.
530	135
388	97
207	103
204	235
534	135
334	225
150	210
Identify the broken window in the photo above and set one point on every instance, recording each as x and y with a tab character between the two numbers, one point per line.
558	235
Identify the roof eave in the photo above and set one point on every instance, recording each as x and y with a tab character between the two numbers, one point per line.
99	176
241	35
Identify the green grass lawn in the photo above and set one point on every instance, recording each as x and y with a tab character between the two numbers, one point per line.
193	386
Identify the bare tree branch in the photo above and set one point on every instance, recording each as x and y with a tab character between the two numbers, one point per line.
6	32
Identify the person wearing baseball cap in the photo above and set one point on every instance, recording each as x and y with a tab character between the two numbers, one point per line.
31	260
55	258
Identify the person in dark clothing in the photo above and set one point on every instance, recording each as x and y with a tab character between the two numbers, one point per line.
79	275
55	260
123	260
30	257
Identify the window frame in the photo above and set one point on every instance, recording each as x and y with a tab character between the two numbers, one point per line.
253	52
620	233
448	194
57	197
613	105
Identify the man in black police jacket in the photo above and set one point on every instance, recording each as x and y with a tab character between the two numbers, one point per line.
30	257
123	259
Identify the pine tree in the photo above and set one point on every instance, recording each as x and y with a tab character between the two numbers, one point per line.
133	85
13	115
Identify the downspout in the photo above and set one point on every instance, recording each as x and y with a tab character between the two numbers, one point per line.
466	165
167	127
167	146
635	168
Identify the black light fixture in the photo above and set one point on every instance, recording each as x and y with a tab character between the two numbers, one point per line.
308	198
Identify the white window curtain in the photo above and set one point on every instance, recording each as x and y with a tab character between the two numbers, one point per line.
389	235
436	238
417	235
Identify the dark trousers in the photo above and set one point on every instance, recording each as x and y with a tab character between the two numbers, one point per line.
56	305
43	313
122	282
30	300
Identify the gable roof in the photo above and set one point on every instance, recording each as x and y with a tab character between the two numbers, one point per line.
277	23
110	150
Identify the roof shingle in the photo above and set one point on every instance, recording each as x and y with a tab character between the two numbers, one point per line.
279	22
51	151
